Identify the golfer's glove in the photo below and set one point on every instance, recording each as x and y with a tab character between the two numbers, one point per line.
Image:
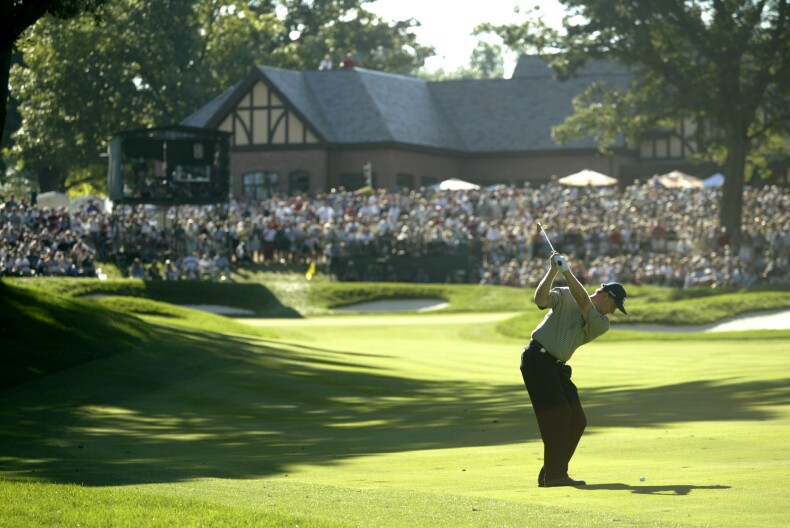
561	263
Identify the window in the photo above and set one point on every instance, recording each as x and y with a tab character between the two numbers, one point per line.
404	181
352	181
299	182
261	185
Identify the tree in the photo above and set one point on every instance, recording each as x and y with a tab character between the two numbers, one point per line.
153	63
722	63
142	64
487	60
317	27
18	15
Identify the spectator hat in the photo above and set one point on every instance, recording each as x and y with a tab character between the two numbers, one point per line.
616	292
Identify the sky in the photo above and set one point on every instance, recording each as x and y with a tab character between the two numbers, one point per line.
447	24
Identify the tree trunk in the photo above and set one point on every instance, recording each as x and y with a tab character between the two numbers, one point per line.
730	215
5	71
51	179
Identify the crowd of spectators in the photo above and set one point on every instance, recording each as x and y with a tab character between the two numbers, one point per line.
38	242
640	234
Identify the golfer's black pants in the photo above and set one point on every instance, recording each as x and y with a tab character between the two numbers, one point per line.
559	412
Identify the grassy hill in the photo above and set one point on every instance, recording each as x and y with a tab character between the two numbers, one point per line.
254	297
44	332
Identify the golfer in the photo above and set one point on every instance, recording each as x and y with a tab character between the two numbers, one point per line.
575	318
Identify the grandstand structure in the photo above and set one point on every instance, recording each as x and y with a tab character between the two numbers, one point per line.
169	166
306	132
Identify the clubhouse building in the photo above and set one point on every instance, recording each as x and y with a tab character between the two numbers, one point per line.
306	132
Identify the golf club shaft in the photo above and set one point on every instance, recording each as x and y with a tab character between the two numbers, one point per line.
546	237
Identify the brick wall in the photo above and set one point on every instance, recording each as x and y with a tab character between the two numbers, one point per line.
327	166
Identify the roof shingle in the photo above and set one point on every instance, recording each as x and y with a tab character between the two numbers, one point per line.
473	116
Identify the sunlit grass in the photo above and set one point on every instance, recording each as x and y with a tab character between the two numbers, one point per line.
166	313
380	421
45	504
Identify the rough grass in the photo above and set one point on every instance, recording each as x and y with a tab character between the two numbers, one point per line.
45	504
155	311
255	297
44	333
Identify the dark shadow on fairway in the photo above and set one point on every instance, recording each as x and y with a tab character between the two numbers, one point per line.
678	489
148	415
193	405
301	346
703	400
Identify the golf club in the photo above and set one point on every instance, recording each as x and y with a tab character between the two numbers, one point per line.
546	237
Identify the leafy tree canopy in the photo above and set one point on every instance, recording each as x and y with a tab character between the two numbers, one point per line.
17	16
485	62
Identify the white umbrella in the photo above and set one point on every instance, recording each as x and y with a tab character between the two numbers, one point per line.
52	199
680	180
454	184
586	177
715	180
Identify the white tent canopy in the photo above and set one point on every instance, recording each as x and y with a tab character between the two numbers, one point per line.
454	184
52	199
680	180
586	177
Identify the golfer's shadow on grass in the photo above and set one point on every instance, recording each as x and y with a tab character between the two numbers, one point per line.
678	489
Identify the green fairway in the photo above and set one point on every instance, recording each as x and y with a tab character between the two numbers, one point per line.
394	420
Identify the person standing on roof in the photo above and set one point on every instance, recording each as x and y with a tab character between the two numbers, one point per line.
348	62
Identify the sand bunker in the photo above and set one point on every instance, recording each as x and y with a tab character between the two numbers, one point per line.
394	305
768	320
221	310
